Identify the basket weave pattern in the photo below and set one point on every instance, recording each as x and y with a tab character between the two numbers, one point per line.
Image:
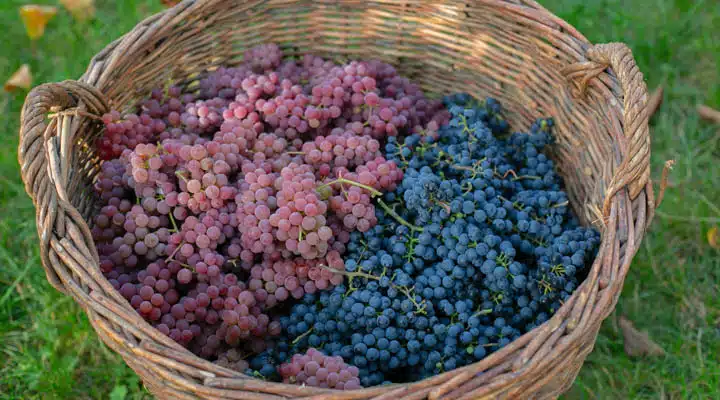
536	64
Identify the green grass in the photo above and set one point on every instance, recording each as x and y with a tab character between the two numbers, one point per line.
673	290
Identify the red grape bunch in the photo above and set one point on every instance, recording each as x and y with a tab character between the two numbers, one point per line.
318	370
222	202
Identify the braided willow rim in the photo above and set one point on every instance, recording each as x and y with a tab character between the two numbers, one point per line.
516	51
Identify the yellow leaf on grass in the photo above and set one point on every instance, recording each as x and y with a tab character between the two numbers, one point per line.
81	10
713	238
21	79
35	18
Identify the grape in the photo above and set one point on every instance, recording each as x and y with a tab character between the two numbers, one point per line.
232	359
466	255
316	369
219	203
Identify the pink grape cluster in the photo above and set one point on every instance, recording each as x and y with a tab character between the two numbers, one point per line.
232	359
300	218
281	279
203	116
264	57
125	233
219	205
150	123
318	370
204	182
341	149
353	204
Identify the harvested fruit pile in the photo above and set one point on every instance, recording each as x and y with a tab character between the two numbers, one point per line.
475	247
329	225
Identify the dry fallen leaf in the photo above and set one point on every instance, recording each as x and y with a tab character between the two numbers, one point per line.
692	311
709	114
637	343
35	18
712	236
664	182
656	98
21	79
81	10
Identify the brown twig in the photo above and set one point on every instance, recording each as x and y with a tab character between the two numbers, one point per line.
664	181
655	100
708	113
75	112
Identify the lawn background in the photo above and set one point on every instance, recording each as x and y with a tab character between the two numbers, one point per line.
48	349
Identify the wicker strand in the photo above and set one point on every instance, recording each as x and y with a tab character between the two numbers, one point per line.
634	170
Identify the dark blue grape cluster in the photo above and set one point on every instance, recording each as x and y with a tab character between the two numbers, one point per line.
476	246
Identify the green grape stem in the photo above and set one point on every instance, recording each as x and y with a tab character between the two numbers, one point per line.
558	269
299	338
463	168
420	307
531	177
563	204
170	257
341	180
180	174
259	375
362	253
482	312
374	193
546	286
172	221
397	217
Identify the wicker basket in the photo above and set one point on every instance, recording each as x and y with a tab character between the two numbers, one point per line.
514	50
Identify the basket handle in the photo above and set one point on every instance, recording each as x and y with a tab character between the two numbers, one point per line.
36	131
634	146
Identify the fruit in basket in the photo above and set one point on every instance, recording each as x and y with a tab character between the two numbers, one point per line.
289	206
475	247
316	369
221	204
